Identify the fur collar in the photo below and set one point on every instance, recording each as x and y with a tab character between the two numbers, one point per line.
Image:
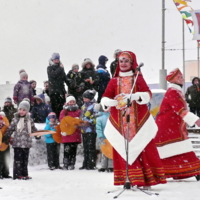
172	85
123	74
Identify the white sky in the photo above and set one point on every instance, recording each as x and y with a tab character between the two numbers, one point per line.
32	30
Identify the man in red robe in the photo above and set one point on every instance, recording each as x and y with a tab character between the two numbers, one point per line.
175	149
144	164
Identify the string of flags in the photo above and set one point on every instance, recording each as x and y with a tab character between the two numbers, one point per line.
190	16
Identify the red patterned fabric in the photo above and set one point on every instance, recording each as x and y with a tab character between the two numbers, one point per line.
147	168
172	129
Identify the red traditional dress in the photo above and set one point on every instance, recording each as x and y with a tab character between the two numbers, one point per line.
145	167
175	149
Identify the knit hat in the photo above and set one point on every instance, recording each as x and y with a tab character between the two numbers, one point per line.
174	76
2	114
55	56
75	66
117	51
87	61
51	115
32	81
102	60
98	107
8	100
26	99
24	105
70	98
89	94
21	70
22	74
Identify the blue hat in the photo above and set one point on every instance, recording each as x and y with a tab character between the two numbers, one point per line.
51	115
55	56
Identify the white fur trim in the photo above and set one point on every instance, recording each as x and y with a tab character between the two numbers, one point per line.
178	87
105	101
190	118
124	74
144	96
137	144
174	149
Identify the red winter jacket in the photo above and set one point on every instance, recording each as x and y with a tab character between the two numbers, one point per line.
76	136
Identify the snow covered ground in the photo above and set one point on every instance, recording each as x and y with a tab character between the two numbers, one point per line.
87	185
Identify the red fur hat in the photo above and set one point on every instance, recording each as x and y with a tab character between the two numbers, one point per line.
174	76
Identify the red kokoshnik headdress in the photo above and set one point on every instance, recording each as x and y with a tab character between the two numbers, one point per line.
131	56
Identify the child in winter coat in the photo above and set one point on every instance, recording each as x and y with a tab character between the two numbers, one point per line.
9	109
40	109
101	120
21	127
88	131
4	155
70	141
23	89
53	148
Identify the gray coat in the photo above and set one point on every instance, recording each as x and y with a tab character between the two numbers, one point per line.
20	139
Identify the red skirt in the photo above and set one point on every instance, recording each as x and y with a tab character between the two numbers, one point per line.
147	169
181	166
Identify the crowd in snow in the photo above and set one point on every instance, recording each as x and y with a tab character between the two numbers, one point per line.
158	149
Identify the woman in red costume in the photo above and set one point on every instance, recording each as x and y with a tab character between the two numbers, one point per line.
175	149
144	164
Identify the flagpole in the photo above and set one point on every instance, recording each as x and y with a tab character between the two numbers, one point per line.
163	71
183	53
198	61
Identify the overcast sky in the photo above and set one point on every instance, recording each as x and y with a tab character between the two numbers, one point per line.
32	30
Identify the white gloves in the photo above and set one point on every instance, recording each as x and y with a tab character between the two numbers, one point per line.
63	133
105	101
133	97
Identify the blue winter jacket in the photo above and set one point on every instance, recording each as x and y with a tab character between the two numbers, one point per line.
49	138
101	123
39	112
87	114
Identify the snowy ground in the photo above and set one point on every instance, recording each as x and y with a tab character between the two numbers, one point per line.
87	185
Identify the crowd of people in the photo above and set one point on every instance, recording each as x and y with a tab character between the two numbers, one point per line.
158	149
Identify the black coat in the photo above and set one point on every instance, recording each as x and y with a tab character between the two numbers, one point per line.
75	83
90	73
113	67
9	112
57	78
192	96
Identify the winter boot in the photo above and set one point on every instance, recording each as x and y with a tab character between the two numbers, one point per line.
197	177
66	163
110	170
52	168
27	178
102	170
72	163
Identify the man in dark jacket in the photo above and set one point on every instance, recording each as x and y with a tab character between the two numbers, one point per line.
9	109
104	76
192	96
113	64
75	84
89	75
57	78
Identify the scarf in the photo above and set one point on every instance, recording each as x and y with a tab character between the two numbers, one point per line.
20	124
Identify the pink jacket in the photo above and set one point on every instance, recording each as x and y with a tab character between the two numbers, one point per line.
76	136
